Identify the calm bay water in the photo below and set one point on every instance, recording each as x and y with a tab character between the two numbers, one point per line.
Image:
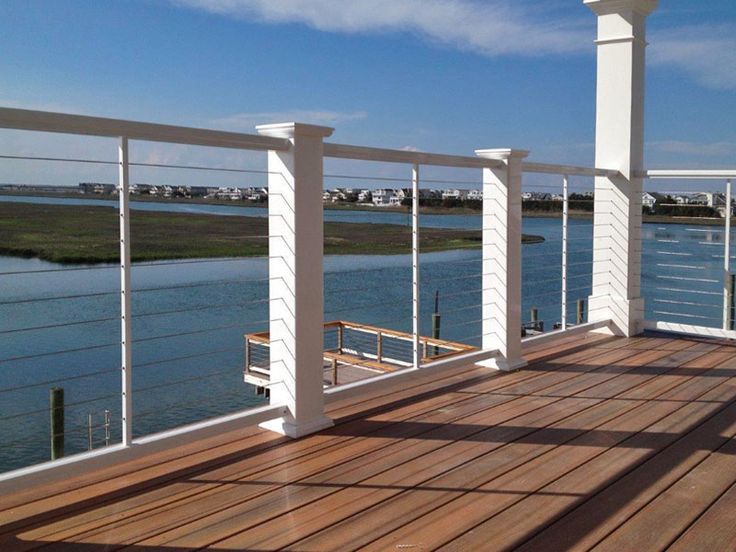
189	317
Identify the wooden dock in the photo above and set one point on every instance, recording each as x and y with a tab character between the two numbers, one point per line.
600	443
346	362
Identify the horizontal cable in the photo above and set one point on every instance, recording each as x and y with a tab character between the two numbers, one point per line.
190	403
60	325
60	352
366	306
200	284
59	298
689	303
547	293
59	380
187	380
203	168
200	308
698	316
688	279
696	291
187	357
59	159
66	405
430	279
197	332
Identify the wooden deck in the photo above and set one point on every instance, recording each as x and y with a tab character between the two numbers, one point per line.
601	443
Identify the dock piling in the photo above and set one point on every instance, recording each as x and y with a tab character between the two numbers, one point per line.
56	410
580	315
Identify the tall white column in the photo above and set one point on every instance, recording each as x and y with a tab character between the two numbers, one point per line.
501	272
619	146
296	295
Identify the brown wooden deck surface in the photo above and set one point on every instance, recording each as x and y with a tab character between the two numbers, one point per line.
601	443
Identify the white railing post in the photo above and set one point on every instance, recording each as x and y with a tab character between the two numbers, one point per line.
565	222
126	320
416	355
296	294
621	45
727	261
501	265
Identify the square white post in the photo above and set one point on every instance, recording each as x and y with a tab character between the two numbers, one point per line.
296	294
619	146
501	266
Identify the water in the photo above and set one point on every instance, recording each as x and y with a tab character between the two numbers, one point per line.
190	318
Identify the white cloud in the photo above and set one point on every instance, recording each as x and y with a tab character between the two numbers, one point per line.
246	122
705	53
487	27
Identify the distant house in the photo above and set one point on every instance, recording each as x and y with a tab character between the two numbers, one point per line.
648	200
97	188
382	196
455	194
227	192
475	195
364	196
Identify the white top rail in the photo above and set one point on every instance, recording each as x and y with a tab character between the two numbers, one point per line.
697	174
362	153
569	170
44	121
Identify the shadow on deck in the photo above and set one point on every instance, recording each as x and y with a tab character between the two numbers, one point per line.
613	443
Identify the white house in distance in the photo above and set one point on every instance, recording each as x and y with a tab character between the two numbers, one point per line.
384	197
648	200
455	194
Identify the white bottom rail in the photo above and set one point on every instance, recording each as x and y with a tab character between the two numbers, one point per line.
689	329
79	464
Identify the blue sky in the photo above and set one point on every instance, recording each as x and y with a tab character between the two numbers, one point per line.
435	75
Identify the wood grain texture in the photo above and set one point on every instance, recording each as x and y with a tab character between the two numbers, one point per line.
599	443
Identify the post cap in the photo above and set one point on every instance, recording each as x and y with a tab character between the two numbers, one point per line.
606	7
290	130
502	154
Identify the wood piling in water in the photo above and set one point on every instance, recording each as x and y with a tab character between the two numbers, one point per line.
56	411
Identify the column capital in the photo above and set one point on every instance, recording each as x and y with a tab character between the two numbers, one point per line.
607	7
502	154
291	130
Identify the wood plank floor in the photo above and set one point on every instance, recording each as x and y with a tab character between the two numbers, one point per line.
599	444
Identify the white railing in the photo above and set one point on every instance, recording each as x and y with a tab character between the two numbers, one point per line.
691	277
295	159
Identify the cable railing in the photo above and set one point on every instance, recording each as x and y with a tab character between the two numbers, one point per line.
687	277
200	338
562	268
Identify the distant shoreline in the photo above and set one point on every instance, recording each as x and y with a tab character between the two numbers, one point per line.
367	208
82	234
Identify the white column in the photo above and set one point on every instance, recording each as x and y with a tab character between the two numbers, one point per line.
501	266
296	295
619	146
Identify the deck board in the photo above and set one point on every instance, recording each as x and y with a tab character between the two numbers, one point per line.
599	442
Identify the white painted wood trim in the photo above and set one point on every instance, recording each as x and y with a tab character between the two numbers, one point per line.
362	153
44	121
543	338
701	331
78	464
